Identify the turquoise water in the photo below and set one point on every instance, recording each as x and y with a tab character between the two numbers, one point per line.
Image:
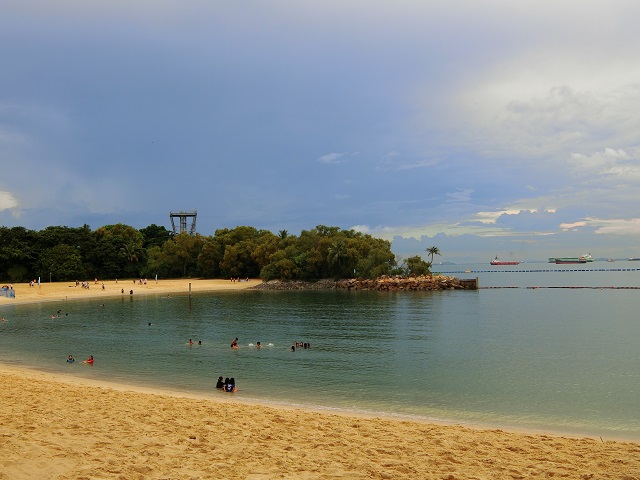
554	359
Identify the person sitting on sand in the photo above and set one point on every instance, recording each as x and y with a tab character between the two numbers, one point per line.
219	383
89	360
70	359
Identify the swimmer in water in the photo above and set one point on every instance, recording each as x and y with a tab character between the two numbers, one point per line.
258	345
70	359
234	343
89	360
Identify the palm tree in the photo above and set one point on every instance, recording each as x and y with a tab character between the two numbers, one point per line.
433	251
337	252
283	234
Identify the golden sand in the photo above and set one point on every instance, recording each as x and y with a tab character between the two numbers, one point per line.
63	427
57	291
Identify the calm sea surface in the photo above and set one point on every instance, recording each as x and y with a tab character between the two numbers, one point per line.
556	359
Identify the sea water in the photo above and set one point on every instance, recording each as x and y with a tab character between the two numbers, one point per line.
524	356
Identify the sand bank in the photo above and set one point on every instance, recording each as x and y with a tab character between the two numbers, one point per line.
56	291
61	427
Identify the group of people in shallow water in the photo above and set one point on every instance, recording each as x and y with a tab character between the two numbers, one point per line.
304	345
227	385
89	360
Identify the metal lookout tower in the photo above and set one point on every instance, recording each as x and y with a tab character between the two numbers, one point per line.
183	216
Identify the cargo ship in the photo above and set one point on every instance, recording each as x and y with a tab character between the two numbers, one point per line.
567	260
495	261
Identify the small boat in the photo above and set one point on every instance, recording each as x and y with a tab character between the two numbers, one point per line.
495	261
634	259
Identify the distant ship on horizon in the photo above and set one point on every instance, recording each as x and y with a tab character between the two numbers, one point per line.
495	261
567	260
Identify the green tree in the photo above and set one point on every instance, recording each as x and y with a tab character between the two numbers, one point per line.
433	251
119	252
180	255
337	256
417	266
62	262
18	256
155	236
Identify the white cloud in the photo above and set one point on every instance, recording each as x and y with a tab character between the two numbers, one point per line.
617	164
333	158
614	226
7	200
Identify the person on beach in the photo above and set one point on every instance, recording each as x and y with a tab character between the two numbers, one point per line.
89	360
219	383
230	385
70	359
234	343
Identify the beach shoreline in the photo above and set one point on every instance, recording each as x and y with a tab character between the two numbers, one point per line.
65	291
59	425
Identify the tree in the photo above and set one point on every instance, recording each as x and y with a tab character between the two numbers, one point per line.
336	256
417	266
433	251
155	236
62	262
180	255
119	252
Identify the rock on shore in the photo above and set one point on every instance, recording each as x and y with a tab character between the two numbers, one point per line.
384	283
295	285
411	283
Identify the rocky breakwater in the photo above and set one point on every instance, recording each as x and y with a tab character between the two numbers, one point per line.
295	285
384	283
411	283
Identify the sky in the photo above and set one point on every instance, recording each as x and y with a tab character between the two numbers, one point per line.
483	128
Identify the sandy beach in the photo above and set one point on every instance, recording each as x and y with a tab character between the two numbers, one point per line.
57	291
65	427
